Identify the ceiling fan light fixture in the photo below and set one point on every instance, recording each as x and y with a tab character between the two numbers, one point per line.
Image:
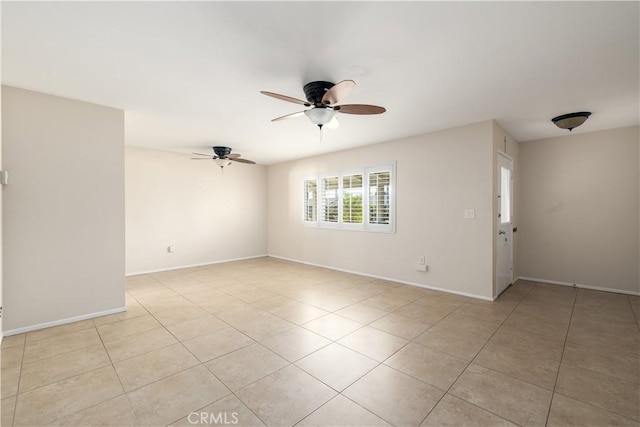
320	116
222	162
571	120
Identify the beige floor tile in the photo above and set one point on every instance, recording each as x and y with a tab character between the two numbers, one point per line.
174	397
469	326
485	312
144	342
286	396
341	411
520	364
383	302
373	343
600	390
400	326
461	345
11	358
125	328
431	366
567	412
218	343
264	327
116	412
550	311
9	380
621	329
299	313
295	343
242	367
627	344
271	304
336	366
393	396
178	315
59	330
156	305
543	346
426	314
624	366
362	313
242	314
332	326
14	340
7	409
536	325
46	404
227	411
507	397
146	368
195	327
454	412
53	369
60	344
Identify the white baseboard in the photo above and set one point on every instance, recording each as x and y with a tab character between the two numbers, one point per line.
63	321
202	264
578	285
391	279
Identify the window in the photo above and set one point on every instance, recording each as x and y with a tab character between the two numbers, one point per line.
356	200
310	199
352	199
330	199
505	195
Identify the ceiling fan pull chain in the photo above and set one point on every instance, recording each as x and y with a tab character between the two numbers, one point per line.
321	133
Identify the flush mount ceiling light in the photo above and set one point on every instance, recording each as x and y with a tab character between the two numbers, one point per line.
571	120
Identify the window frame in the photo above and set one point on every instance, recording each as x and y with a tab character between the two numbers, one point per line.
340	224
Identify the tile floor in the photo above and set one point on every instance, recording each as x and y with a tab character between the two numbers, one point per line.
269	342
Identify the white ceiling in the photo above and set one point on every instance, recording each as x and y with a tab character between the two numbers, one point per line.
188	74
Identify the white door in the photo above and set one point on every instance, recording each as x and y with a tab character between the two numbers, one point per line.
504	262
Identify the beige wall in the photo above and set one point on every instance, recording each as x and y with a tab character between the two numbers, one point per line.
207	214
438	176
63	210
580	209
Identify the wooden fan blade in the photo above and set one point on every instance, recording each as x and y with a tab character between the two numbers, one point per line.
251	162
285	98
233	155
288	116
359	109
200	154
338	92
202	158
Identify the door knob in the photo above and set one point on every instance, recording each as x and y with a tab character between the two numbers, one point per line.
502	232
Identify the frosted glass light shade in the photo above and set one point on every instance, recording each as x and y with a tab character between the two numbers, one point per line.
320	116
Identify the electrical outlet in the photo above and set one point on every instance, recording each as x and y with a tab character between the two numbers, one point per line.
469	214
421	267
170	249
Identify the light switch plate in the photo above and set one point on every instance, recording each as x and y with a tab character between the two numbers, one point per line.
469	214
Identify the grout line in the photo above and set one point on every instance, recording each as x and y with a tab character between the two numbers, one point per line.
564	346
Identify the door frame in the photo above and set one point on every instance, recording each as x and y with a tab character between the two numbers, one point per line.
497	224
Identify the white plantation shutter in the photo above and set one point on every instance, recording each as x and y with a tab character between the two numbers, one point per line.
330	199
379	197
310	200
352	199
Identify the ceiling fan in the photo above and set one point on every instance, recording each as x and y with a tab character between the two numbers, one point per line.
223	157
322	97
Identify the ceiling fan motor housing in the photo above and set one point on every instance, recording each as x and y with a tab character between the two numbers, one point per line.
222	152
314	91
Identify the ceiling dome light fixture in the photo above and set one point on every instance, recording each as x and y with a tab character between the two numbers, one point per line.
222	162
320	115
571	120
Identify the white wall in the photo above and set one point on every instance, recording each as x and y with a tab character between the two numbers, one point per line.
580	209
438	176
207	214
63	210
